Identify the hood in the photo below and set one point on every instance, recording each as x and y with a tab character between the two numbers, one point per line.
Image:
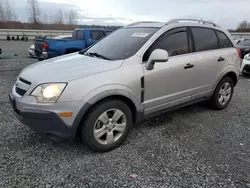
66	68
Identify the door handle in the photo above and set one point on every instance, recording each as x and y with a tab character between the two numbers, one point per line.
189	66
220	59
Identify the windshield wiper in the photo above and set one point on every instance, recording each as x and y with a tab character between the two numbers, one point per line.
98	55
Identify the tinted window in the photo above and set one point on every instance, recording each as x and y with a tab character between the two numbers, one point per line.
122	43
175	44
96	35
204	39
223	39
244	43
80	35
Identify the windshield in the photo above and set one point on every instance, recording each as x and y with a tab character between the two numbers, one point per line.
122	43
244	43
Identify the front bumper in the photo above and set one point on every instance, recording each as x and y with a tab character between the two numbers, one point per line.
32	53
42	55
245	66
47	123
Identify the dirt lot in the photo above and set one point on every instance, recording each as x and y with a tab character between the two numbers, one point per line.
190	147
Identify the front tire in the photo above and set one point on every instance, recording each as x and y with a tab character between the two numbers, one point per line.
222	94
107	125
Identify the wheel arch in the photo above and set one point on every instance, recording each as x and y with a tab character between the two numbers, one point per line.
122	96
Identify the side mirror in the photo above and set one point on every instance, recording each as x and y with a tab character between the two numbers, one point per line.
158	55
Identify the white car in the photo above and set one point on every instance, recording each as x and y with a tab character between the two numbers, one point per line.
245	66
31	49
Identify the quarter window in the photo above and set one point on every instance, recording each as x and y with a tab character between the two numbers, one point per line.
175	43
224	41
204	39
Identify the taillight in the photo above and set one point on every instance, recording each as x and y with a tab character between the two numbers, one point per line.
45	45
239	52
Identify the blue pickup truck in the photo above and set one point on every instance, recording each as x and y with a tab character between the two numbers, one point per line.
81	39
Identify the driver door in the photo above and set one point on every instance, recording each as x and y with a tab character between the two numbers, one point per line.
170	83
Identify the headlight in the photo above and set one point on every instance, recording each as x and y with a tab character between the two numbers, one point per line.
48	93
247	57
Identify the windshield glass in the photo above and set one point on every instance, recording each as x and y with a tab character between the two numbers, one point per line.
122	43
244	43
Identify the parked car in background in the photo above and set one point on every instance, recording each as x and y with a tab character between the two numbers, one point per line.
31	49
81	39
138	71
236	41
245	66
244	47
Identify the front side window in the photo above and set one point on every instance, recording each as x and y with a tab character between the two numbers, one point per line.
123	43
175	43
204	39
223	40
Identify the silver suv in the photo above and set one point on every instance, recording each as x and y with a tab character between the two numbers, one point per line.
138	71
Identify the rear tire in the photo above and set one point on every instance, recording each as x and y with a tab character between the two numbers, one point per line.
106	126
222	94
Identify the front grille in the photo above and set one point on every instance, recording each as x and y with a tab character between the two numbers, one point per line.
20	91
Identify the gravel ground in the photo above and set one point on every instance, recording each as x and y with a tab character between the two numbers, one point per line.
190	147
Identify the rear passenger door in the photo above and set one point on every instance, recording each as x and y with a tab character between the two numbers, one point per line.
208	60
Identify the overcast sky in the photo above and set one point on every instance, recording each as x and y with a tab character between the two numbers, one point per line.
227	13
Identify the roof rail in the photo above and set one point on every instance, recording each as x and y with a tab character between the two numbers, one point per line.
135	23
191	20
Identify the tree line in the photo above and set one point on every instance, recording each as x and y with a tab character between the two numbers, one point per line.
61	20
244	26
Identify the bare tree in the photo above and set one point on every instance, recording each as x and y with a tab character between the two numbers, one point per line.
243	25
2	13
71	17
34	11
45	18
6	12
59	18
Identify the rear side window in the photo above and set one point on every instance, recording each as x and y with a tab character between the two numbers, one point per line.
175	43
204	39
96	35
223	40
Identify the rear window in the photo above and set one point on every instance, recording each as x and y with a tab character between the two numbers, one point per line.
204	39
223	40
74	34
